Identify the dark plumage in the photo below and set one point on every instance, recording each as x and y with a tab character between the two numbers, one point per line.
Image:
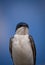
21	25
33	48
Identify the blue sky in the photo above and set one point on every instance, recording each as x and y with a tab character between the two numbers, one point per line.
13	12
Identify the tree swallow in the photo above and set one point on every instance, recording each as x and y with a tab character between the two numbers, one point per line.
22	46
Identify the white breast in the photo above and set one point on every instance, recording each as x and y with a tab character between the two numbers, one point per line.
21	50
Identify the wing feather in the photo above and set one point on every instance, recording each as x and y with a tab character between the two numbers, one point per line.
33	48
10	46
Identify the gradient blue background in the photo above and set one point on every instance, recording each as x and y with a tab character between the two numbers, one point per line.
13	12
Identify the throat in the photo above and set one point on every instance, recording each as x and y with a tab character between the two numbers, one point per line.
22	31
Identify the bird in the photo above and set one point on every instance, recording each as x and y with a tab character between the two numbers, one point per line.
22	46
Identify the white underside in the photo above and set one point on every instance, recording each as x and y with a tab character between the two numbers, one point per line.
21	50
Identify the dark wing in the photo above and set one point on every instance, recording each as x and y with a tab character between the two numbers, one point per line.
33	48
10	46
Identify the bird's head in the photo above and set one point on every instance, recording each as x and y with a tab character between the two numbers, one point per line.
22	28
